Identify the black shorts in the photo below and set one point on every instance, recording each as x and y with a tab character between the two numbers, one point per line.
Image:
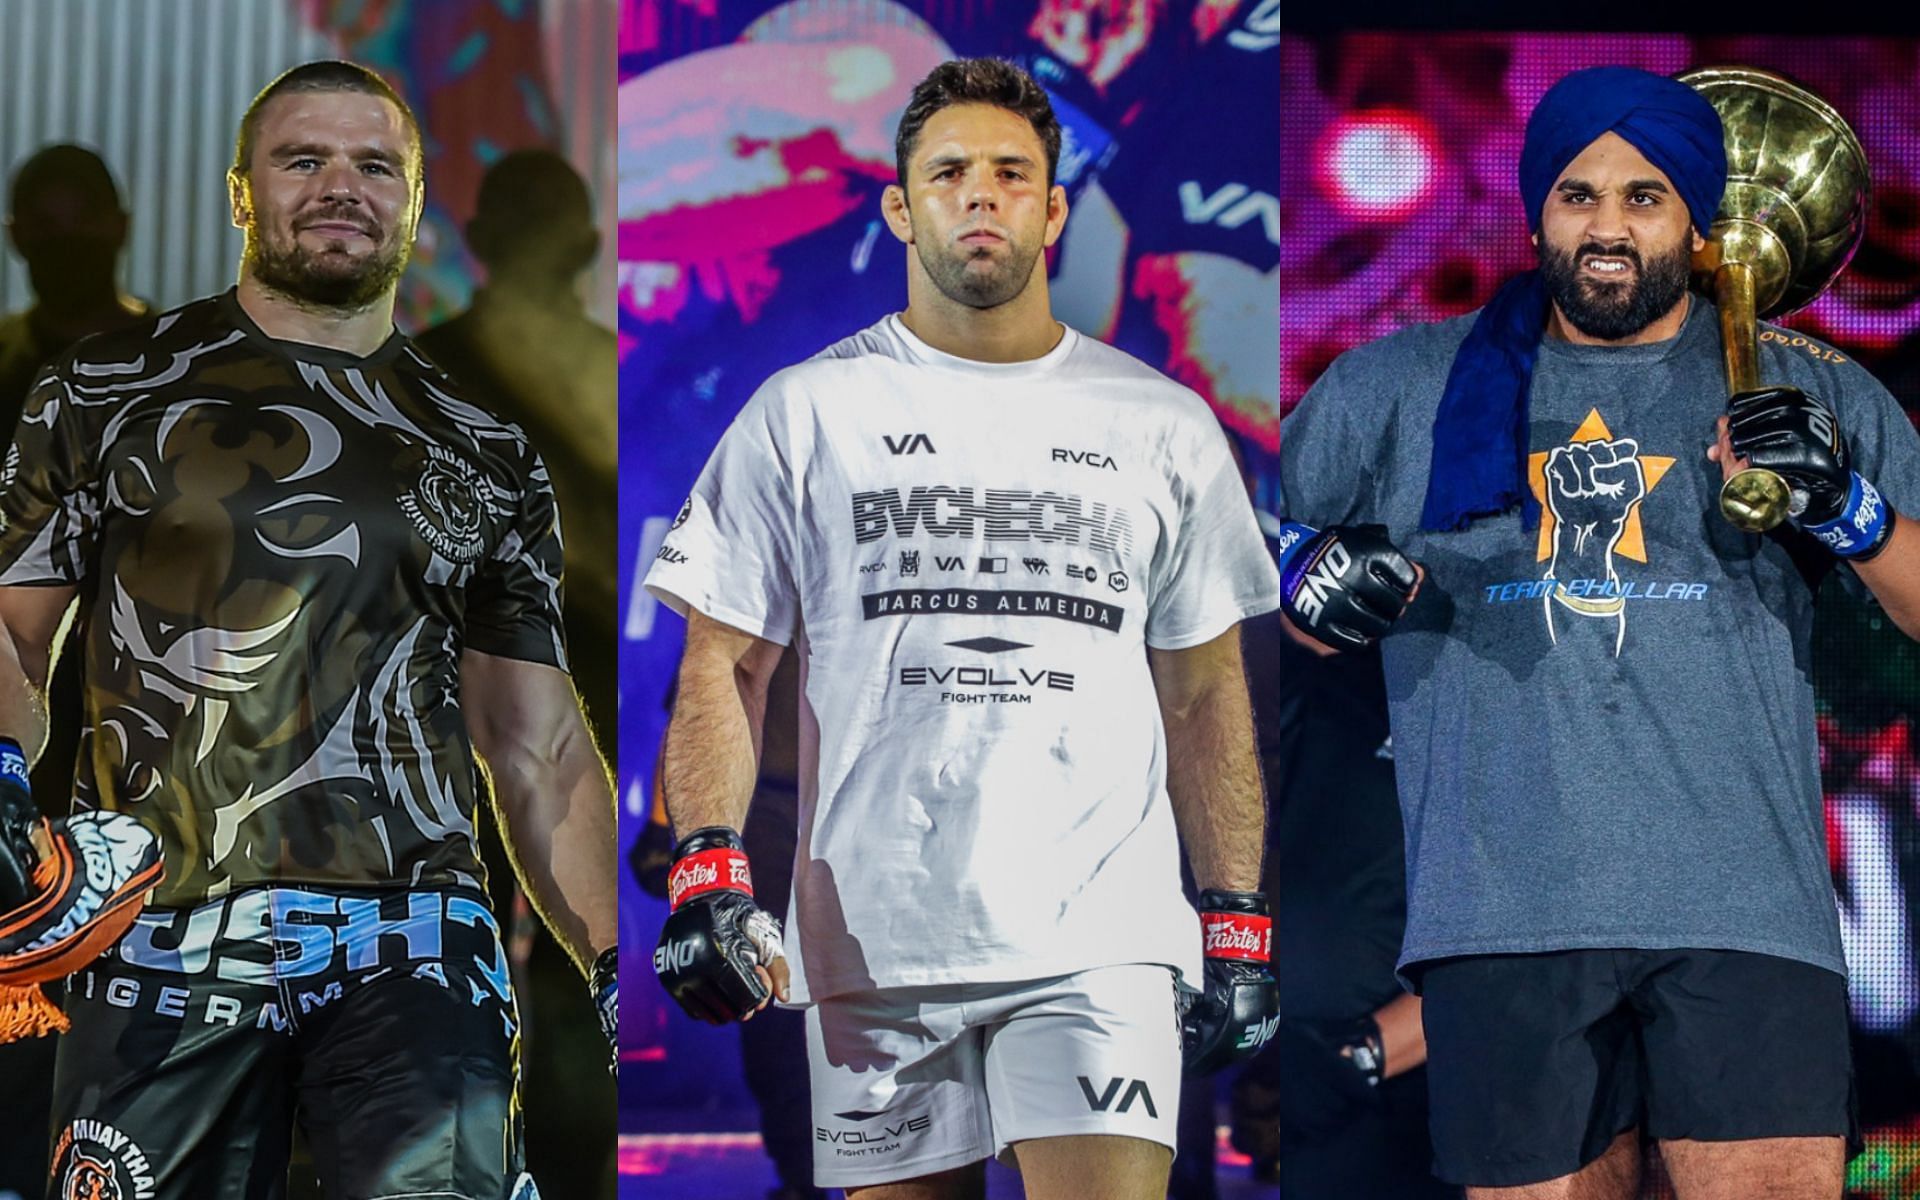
1536	1062
384	1023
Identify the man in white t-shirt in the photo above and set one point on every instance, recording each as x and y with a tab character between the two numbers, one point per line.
1013	562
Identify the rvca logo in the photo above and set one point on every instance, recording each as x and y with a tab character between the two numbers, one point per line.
1136	1089
908	443
1092	458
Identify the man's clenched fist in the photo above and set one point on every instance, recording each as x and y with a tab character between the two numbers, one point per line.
719	953
1239	1010
1795	435
1344	585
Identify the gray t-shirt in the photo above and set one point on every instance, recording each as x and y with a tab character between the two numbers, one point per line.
1603	728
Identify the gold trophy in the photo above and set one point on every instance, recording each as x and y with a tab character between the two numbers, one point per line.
1793	214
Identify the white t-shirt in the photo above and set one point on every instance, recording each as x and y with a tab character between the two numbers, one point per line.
971	559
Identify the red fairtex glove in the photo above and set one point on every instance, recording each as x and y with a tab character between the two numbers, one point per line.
1240	1009
716	935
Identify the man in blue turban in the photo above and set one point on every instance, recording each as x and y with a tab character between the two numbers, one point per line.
1619	917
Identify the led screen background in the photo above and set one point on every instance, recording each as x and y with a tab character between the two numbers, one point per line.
1400	205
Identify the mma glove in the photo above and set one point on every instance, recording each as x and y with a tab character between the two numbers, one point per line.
1239	1008
1345	585
716	935
605	986
68	890
18	820
1324	1080
1795	435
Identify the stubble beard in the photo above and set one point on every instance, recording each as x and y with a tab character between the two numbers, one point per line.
324	279
961	282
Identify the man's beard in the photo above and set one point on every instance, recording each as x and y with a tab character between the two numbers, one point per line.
961	283
325	280
1612	311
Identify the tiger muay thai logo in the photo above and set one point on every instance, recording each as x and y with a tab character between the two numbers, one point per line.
95	1161
445	504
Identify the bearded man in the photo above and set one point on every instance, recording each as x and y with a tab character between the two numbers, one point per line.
1618	905
313	583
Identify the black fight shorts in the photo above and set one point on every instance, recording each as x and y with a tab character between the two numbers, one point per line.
384	1023
1536	1062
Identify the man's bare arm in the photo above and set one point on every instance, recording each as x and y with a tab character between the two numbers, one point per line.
30	619
1893	575
552	791
712	750
712	753
1213	774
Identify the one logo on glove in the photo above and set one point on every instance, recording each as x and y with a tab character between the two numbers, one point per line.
95	1161
1258	1034
721	870
1590	492
1238	936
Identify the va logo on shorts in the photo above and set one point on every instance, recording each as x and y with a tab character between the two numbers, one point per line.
444	505
95	1161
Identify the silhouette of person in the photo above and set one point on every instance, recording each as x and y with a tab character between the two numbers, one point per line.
66	221
527	350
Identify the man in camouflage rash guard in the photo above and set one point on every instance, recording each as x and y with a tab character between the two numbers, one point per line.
312	583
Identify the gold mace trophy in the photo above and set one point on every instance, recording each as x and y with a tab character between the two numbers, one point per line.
1794	211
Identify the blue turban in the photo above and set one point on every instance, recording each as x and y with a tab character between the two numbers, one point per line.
1480	432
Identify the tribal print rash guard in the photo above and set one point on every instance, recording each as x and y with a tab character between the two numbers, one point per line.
280	553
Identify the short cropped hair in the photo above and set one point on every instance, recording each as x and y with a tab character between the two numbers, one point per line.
326	75
991	81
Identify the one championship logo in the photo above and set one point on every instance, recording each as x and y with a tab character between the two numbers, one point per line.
95	1161
444	505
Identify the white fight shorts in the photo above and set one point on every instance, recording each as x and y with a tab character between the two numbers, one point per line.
910	1081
